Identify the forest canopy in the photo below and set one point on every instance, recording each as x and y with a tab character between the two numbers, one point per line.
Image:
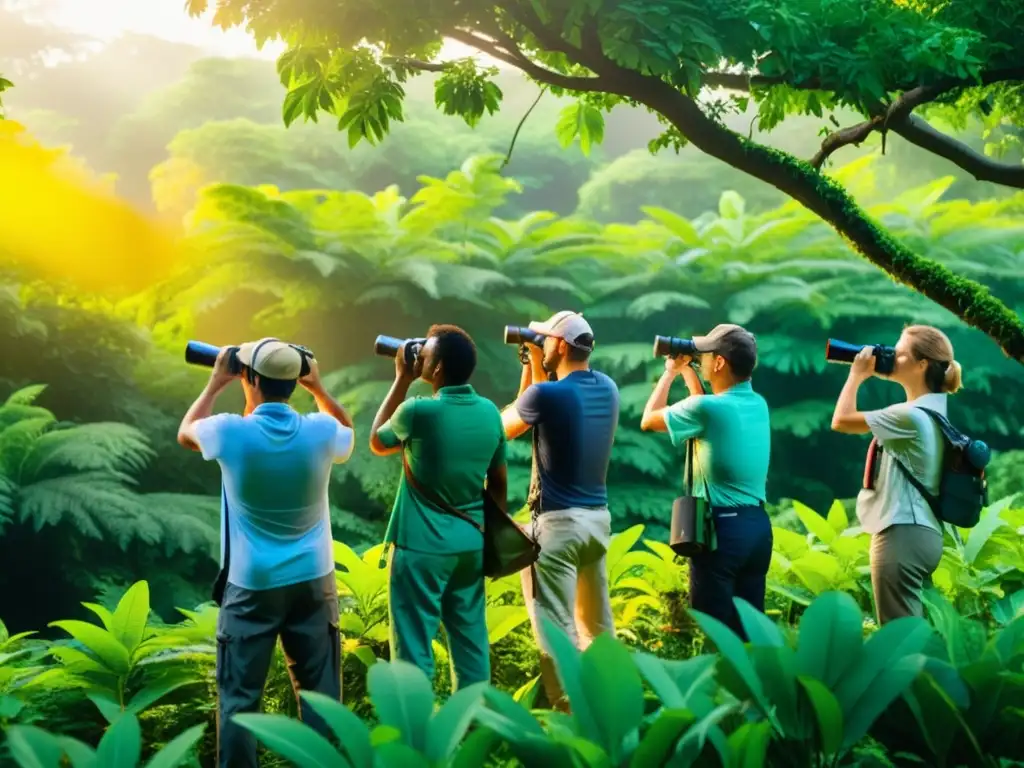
882	59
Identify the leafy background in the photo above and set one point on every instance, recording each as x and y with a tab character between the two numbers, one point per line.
108	529
299	236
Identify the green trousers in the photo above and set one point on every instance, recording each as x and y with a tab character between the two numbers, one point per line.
426	591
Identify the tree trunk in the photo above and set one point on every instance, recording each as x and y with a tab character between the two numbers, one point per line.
968	300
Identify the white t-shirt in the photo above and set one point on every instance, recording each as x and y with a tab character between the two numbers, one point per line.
275	468
909	434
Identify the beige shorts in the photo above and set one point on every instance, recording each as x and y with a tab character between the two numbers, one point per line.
572	575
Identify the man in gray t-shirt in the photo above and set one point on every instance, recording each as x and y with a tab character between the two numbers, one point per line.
575	417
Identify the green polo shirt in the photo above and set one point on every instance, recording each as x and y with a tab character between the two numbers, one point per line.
450	440
733	434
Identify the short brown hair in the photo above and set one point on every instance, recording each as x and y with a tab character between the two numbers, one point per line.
927	343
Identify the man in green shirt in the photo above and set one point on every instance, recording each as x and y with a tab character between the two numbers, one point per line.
733	434
452	442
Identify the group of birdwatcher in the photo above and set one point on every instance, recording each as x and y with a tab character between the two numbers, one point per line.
450	529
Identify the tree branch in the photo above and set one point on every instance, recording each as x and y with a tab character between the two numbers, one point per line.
518	59
917	131
898	118
745	81
967	299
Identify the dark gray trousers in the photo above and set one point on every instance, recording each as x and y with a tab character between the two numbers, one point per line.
903	559
305	616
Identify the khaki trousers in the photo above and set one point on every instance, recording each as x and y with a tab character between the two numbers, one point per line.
571	584
903	559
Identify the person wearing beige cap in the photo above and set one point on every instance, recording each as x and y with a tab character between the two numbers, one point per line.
732	434
573	411
277	576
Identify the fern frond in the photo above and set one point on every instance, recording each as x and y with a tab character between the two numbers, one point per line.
26	395
106	446
97	504
17	442
186	522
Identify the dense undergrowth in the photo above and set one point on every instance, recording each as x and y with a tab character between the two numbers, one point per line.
818	684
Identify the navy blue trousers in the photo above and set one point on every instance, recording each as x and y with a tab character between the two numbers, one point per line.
737	568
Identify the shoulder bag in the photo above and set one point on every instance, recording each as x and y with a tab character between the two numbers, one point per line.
221	582
692	531
507	548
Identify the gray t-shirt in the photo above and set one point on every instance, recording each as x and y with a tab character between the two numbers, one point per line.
910	435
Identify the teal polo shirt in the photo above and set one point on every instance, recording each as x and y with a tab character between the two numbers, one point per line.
733	448
450	440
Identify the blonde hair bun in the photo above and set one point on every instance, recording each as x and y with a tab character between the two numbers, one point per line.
954	378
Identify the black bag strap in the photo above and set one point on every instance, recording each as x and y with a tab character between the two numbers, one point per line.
227	528
951	433
433	498
932	501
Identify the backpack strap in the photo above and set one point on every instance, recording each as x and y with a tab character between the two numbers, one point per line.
932	501
951	433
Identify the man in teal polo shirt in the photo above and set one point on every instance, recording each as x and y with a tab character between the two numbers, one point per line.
453	442
733	434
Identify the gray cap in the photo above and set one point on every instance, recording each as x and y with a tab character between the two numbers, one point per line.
733	342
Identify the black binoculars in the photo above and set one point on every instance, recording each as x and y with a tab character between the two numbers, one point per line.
517	335
843	352
388	346
670	346
201	353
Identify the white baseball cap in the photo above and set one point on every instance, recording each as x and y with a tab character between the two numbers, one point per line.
274	359
568	326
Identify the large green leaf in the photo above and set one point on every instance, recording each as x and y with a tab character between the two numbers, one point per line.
830	639
33	747
403	698
351	731
569	665
178	750
292	740
888	664
734	658
659	742
614	693
121	745
100	642
748	744
828	715
449	724
128	625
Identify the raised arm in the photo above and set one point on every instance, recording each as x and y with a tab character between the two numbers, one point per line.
325	403
846	418
202	408
654	418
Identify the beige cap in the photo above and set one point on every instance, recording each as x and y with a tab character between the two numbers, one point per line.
733	342
568	326
274	359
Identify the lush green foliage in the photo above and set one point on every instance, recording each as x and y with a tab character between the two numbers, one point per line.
334	268
824	688
308	263
881	59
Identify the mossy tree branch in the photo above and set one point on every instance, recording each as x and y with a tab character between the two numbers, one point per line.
965	298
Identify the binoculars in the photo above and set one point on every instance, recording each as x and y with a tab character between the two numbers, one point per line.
514	334
201	353
388	346
843	352
670	346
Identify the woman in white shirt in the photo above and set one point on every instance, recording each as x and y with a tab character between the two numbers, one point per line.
906	537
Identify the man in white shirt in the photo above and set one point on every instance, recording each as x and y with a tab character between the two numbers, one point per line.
276	544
